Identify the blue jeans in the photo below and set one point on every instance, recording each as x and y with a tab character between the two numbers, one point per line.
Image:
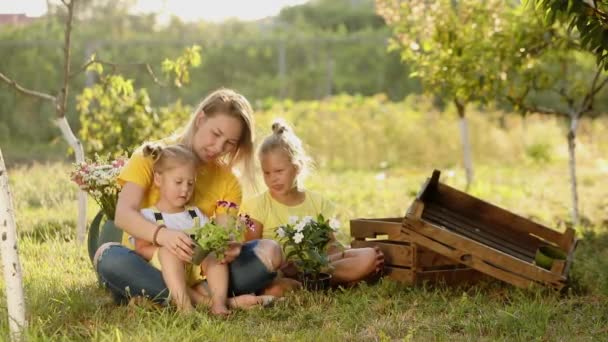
126	274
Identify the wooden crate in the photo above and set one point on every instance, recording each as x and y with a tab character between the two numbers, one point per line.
485	237
405	261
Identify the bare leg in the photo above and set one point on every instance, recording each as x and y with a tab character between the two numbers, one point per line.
217	278
175	278
202	296
356	265
280	286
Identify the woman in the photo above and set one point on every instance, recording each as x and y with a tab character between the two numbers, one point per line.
220	133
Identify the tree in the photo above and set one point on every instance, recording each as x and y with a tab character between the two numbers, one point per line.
179	71
589	17
10	258
449	46
554	76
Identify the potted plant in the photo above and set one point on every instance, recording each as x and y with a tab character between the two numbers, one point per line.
305	243
216	235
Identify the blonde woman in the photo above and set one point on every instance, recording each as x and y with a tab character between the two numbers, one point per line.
220	133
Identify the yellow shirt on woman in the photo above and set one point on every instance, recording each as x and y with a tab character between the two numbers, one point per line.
272	214
214	182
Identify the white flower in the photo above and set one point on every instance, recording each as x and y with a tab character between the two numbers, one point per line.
334	224
281	232
292	219
307	219
300	226
297	238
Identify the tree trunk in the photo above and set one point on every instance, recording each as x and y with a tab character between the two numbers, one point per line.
466	146
13	277
574	117
69	136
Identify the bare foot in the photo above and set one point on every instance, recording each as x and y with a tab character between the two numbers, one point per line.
250	301
220	310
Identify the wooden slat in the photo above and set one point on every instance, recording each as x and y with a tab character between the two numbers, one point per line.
370	228
475	208
474	263
394	254
429	260
467	246
479	235
522	242
402	275
450	277
415	210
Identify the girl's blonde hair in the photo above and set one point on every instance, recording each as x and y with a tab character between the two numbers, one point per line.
284	139
227	102
168	157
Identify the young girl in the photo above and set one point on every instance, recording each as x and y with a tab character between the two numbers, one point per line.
174	174
284	164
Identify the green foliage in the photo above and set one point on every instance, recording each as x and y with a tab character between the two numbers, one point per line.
336	47
180	67
448	44
539	152
590	18
116	118
214	237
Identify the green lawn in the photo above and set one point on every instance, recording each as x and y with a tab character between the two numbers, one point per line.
65	303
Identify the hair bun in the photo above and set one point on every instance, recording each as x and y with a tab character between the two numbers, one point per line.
279	127
152	150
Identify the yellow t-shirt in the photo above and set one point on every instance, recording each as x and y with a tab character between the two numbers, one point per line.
213	183
272	214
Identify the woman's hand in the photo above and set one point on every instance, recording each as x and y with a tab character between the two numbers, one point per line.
232	252
178	242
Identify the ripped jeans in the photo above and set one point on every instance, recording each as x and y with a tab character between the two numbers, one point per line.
127	274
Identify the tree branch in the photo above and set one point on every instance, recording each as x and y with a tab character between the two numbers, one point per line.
116	66
25	91
63	95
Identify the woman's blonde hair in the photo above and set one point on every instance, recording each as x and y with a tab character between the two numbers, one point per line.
227	102
168	157
284	139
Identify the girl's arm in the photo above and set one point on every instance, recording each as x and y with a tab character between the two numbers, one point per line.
255	233
129	218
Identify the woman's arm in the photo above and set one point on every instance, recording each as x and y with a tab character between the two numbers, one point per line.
129	218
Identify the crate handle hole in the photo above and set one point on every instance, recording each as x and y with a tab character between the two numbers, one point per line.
465	257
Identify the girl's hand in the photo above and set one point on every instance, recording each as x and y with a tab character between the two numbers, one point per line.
178	242
232	252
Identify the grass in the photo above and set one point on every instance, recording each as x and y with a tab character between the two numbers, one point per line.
64	302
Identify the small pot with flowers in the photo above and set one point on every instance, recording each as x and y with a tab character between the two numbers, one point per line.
217	235
99	178
305	242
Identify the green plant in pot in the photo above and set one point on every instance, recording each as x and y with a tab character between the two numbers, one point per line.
219	233
546	255
305	242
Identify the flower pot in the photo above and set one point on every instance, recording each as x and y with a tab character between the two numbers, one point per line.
102	230
199	254
545	255
315	281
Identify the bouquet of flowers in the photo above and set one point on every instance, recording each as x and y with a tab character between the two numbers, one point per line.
305	242
217	234
99	179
